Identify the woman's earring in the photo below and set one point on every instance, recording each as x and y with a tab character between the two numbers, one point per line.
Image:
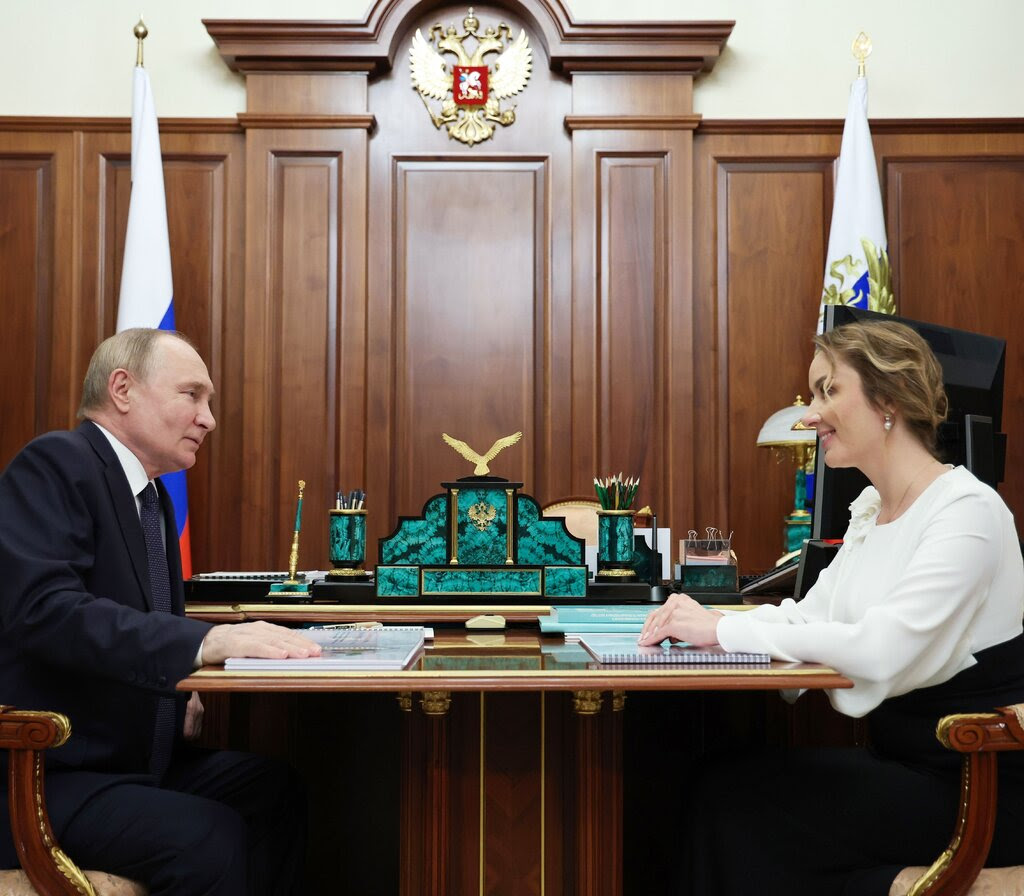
888	423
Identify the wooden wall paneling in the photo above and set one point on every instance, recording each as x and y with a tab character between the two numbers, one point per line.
632	325
943	184
956	225
481	265
203	182
655	65
305	208
467	323
772	234
37	253
762	211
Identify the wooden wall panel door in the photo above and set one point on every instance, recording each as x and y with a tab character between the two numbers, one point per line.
763	203
26	259
36	251
304	190
630	346
772	231
471	294
632	310
204	188
469	288
964	267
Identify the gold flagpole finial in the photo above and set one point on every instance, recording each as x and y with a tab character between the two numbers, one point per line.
140	31
861	50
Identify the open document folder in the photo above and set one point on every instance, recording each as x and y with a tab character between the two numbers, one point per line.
352	648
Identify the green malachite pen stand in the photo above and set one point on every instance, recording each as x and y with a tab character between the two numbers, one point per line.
348	545
615	544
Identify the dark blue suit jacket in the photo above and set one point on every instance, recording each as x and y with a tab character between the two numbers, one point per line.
78	634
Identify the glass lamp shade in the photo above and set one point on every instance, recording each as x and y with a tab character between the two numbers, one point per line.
783	429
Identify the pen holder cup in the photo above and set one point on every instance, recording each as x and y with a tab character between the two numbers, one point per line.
347	543
615	545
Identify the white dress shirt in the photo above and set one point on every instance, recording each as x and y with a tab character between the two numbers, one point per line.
903	605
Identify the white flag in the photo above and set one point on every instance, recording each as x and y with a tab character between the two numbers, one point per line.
147	293
857	262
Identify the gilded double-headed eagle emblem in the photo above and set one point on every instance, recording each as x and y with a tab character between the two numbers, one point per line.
482	514
470	91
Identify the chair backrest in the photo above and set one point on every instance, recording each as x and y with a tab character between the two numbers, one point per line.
580	516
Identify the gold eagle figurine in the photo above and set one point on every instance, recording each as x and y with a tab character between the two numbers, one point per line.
481	460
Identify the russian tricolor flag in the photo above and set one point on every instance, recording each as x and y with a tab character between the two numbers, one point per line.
147	293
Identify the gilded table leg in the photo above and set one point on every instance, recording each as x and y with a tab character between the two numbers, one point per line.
598	761
425	830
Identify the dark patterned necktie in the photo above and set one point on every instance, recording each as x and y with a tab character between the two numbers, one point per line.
160	585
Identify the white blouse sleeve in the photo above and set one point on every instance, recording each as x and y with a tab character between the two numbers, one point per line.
919	635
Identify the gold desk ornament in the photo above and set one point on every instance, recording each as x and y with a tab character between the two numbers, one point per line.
470	91
481	460
293	588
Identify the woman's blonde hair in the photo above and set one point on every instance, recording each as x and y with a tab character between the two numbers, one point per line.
131	350
898	372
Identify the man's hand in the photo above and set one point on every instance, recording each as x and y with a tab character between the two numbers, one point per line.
681	618
193	717
257	639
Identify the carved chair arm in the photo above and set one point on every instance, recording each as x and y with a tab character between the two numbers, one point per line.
25	735
980	737
976	732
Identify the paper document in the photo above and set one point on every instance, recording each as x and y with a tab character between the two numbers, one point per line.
346	648
624	649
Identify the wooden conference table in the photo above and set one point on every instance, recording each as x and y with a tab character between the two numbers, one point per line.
511	745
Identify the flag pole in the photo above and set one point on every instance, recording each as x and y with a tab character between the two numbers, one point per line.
140	31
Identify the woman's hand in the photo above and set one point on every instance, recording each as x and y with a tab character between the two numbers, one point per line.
681	618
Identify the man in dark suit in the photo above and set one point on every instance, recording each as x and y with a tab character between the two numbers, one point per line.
92	625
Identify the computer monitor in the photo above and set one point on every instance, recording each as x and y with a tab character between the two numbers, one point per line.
972	370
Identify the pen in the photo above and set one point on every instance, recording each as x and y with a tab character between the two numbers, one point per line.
366	625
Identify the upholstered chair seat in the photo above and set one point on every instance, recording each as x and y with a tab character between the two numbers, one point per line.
16	883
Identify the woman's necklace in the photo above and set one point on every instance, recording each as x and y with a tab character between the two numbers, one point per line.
897	510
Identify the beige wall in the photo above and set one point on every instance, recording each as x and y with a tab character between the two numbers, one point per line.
785	59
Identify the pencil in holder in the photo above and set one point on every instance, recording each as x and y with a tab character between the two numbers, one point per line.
615	545
348	544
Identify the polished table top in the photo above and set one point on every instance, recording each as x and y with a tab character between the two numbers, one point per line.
518	660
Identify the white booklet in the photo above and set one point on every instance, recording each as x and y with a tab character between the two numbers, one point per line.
624	649
372	649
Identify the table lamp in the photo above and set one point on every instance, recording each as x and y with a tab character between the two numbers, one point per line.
788	438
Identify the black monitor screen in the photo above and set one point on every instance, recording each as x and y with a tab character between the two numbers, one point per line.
972	369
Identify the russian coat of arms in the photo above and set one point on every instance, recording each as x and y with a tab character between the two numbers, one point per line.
470	91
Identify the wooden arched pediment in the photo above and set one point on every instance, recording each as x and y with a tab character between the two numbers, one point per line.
373	44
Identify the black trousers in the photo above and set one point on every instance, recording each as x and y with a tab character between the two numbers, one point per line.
840	821
220	824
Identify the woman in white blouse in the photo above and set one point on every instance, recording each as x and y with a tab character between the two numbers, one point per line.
921	608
